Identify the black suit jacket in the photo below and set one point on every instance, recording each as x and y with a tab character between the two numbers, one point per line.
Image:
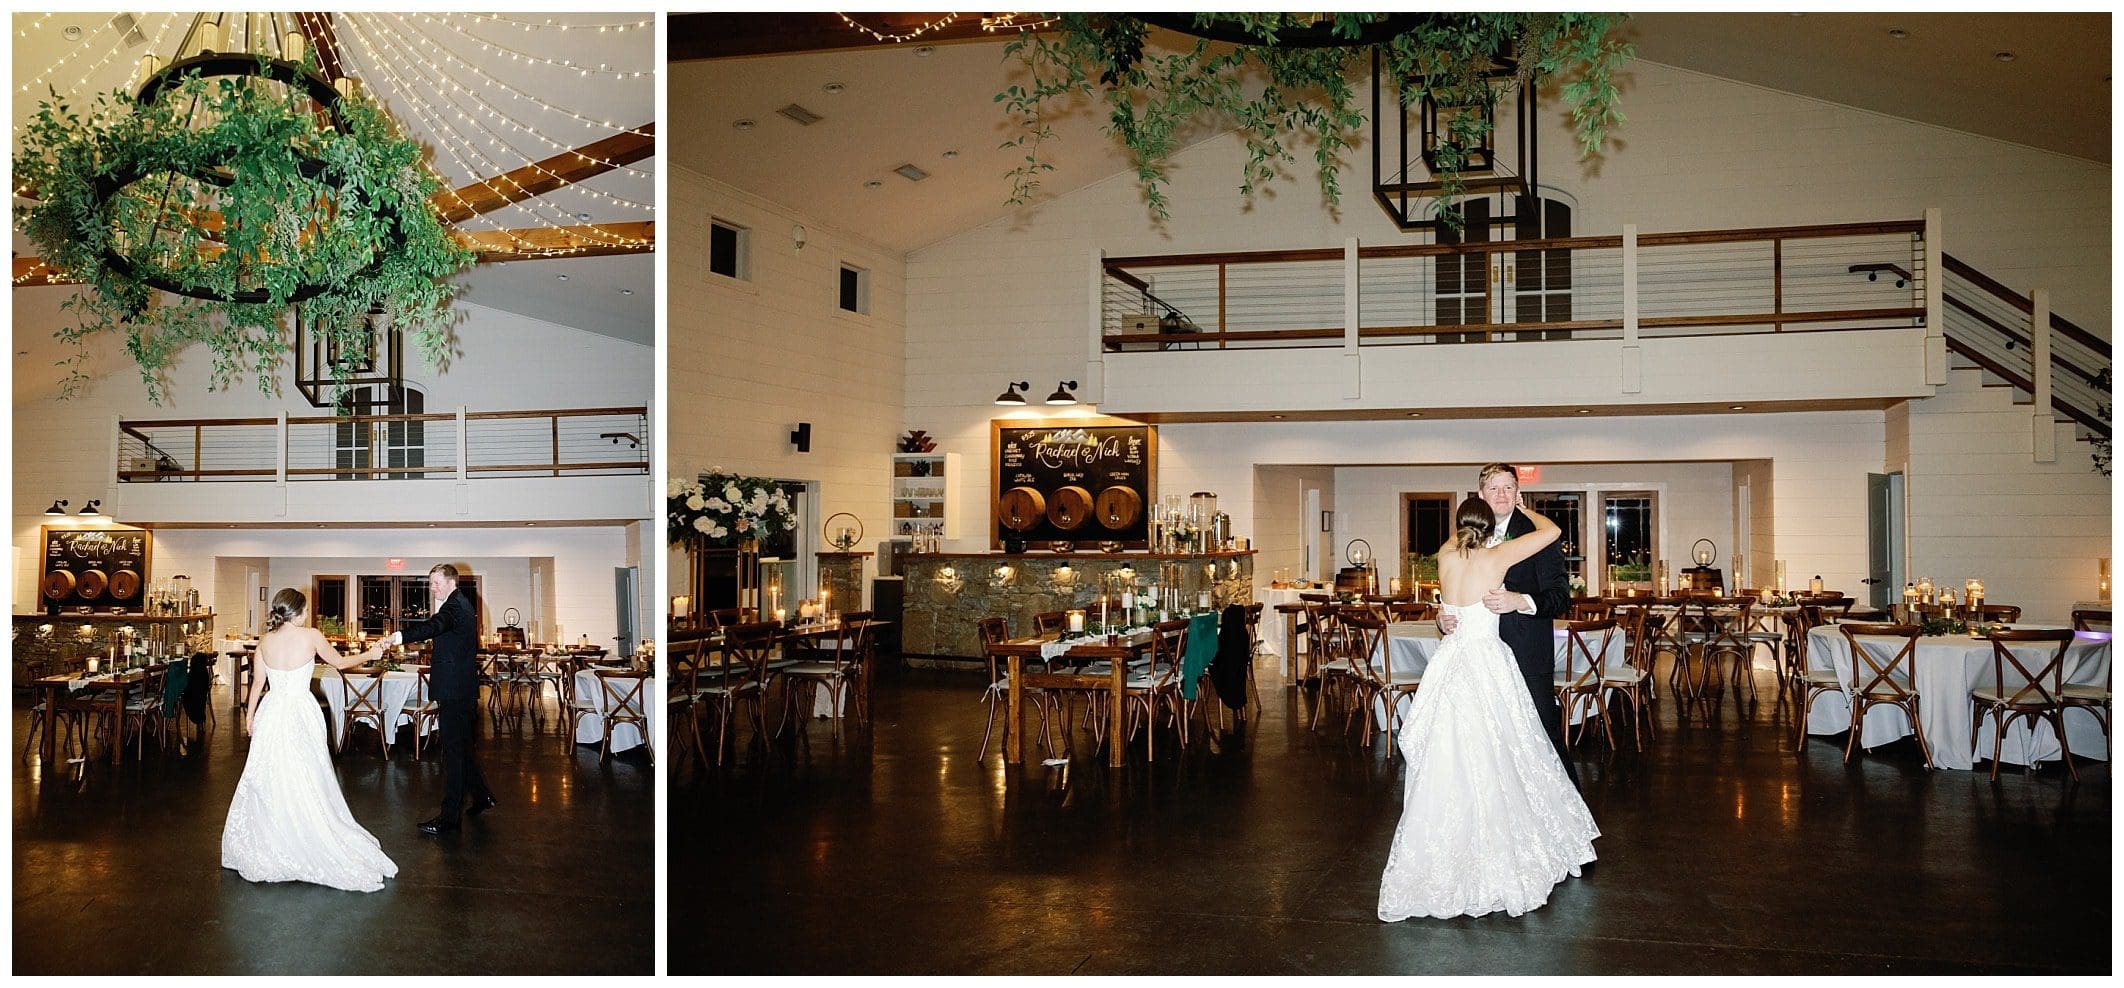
1533	637
453	666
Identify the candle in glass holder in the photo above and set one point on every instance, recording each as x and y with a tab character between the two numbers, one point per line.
1780	577
1202	600
680	605
2102	579
1076	622
1394	586
92	662
781	615
1973	591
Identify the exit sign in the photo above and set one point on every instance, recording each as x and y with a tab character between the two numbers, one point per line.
1528	475
394	565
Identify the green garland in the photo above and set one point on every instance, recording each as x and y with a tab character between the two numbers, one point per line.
1308	93
259	135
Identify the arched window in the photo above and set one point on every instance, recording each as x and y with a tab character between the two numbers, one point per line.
1523	286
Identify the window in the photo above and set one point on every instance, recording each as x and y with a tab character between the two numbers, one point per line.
1568	510
729	250
1629	518
1427	521
355	442
1463	294
1542	291
855	289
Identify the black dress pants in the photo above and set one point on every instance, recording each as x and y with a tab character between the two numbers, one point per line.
460	726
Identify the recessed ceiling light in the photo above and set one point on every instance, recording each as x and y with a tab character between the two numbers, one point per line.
1275	416
948	155
834	88
1415	415
72	32
1585	411
924	51
626	291
2003	56
560	277
873	184
746	124
585	217
1898	34
1735	408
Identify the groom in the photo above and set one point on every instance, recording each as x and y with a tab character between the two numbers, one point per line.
453	678
1535	594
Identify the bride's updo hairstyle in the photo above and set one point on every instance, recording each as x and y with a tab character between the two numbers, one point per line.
1473	522
286	604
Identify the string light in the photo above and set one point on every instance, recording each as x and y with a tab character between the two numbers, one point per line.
70	56
517	56
434	118
934	25
33	26
1009	22
518	126
564	26
513	92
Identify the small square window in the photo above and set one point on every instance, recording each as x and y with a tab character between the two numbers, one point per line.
855	289
729	247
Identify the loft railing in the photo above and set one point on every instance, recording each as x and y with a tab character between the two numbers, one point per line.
1710	282
570	442
1992	326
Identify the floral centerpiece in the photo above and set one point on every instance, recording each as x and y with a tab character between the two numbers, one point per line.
722	510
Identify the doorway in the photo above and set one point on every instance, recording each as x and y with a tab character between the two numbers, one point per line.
1884	538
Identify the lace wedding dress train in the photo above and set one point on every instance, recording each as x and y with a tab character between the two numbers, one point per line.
289	821
1489	821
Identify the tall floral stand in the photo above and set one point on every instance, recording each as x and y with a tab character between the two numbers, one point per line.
708	575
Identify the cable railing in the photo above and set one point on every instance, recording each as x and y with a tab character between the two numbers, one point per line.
1991	326
1714	282
571	442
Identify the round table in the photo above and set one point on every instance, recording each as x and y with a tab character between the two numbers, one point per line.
1948	667
1409	646
398	699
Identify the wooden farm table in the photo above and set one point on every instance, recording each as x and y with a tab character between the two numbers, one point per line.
1113	681
54	688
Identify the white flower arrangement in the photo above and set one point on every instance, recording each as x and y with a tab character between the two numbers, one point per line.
738	509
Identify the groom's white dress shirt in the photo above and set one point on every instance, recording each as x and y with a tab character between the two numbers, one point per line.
1497	538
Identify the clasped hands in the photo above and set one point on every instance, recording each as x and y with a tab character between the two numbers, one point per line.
1499	601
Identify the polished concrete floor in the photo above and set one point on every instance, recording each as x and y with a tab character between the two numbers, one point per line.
1723	851
118	870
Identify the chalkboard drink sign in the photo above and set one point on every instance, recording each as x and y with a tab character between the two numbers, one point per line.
1081	480
100	568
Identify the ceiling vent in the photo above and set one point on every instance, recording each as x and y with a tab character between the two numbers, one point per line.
911	173
802	116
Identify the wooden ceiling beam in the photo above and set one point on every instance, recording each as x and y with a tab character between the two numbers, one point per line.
539	178
587	240
698	36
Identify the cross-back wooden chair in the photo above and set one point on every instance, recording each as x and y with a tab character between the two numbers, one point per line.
2032	694
1891	682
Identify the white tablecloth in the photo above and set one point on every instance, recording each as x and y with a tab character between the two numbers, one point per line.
1276	625
1947	669
1409	646
624	736
398	690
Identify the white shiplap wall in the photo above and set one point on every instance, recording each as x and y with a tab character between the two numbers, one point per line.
751	359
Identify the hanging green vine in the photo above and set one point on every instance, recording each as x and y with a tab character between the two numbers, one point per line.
361	228
1305	90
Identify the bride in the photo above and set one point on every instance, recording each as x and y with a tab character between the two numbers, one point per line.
289	821
1488	820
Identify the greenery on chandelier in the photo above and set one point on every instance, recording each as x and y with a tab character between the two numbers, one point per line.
360	226
2100	442
1280	93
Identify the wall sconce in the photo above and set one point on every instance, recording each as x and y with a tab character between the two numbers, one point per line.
1063	579
1062	395
89	510
948	578
1010	396
800	437
1003	575
57	508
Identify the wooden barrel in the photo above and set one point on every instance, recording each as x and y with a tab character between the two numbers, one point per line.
1069	508
125	585
1119	507
92	584
58	584
1020	509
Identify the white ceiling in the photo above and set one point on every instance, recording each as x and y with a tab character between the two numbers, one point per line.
898	108
479	92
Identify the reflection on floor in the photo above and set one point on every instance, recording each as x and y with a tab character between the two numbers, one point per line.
118	870
1723	852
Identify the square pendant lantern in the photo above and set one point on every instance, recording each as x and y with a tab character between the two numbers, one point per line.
1437	127
371	376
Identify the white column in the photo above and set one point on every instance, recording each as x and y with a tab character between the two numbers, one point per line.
1094	390
1633	358
1352	337
464	451
2042	418
1935	300
280	466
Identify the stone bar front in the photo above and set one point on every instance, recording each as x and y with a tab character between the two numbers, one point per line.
947	593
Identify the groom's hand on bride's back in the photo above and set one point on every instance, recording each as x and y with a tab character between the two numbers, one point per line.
1447	620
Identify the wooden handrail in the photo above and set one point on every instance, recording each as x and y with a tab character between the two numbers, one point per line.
541	413
1652	322
2017	300
133	424
2015	378
1128	279
192	423
1815	231
2005	331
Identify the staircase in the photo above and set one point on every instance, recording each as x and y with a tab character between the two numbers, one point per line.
1988	329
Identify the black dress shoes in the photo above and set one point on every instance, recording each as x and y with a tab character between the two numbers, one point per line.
482	804
438	826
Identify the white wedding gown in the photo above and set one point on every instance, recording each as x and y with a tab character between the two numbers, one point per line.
289	821
1488	820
